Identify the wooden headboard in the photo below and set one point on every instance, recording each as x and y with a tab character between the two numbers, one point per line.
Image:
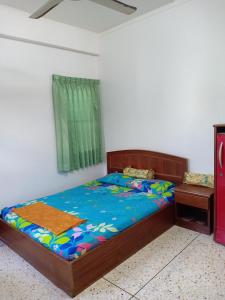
166	166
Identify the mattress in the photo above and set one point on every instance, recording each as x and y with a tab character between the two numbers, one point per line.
108	208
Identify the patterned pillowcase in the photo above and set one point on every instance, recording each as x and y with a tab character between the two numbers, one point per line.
160	186
139	184
117	179
199	179
151	186
139	173
143	185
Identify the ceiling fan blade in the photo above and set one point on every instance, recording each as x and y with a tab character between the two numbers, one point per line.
117	5
44	9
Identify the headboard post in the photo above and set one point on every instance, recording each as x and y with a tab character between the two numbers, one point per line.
166	166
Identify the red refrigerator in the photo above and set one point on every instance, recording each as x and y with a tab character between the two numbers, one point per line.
219	233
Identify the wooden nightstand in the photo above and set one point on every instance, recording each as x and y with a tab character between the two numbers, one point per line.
194	207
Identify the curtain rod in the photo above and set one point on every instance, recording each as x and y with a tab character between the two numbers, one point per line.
45	44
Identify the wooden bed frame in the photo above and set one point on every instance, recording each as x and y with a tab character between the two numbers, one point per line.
74	276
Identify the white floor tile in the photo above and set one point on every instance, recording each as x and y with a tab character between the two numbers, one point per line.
103	290
141	267
197	273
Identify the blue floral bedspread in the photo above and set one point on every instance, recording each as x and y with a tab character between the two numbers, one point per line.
109	209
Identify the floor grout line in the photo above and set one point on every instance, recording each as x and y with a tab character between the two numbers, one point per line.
134	295
119	287
167	264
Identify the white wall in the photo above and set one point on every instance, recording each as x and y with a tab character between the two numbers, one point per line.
17	23
163	80
163	88
27	137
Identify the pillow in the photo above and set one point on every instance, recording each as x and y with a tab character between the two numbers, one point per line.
117	179
160	186
153	186
139	173
199	179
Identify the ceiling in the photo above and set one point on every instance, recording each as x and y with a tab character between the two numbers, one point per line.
86	14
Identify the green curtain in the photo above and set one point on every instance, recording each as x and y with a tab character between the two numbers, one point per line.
77	113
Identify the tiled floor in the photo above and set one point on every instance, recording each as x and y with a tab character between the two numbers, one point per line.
180	264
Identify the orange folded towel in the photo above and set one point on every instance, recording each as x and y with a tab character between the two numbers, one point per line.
48	217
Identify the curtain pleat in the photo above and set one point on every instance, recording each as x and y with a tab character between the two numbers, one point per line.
77	114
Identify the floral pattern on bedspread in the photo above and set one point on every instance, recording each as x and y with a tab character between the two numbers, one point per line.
109	209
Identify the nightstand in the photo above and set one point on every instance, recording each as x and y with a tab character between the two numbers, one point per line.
194	207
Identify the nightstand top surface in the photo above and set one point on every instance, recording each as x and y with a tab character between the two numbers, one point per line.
195	190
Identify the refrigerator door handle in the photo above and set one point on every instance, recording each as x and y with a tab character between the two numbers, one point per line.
220	155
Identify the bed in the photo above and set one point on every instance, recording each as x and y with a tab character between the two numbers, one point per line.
96	254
